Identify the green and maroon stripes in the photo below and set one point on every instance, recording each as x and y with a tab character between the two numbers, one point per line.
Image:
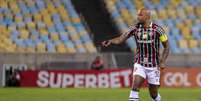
148	44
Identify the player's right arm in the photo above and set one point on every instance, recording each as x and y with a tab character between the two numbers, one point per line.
120	39
116	40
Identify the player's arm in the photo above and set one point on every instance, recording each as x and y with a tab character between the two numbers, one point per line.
116	40
165	53
164	39
120	39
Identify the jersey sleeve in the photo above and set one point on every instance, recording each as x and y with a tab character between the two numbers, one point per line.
131	31
162	35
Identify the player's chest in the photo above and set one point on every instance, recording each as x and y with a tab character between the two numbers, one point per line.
145	34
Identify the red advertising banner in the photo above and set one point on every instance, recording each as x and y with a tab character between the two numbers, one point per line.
115	78
110	78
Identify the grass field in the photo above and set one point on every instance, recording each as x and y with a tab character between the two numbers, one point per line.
45	94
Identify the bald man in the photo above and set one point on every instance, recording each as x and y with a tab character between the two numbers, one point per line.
148	62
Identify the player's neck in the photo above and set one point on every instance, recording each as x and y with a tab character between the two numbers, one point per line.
146	24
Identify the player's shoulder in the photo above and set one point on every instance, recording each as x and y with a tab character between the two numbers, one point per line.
156	26
134	26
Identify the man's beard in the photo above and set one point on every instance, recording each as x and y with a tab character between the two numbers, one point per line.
141	22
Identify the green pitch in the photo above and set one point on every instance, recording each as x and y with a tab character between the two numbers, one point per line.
47	94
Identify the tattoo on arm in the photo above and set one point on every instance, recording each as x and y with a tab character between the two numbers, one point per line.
124	36
120	39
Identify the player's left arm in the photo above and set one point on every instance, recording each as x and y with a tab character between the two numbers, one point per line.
164	40
165	54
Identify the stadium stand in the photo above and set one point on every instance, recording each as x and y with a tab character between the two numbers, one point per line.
180	18
51	26
42	26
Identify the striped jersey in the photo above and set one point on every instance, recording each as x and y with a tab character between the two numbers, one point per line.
148	43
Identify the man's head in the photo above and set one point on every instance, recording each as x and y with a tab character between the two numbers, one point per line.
143	15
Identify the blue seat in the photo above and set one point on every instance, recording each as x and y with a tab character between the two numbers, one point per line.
67	23
173	46
131	43
68	5
69	44
64	37
1	10
33	9
14	35
29	43
19	15
36	41
56	17
57	42
161	22
77	24
129	5
80	28
123	26
176	34
194	2
57	3
7	21
170	23
51	48
45	38
40	4
71	32
51	29
195	32
85	38
131	8
20	24
77	42
34	32
115	14
23	8
40	24
20	42
59	27
27	19
80	50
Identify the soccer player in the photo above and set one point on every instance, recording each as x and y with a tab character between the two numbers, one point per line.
148	62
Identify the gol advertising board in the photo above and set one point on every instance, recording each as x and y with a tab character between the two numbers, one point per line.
181	77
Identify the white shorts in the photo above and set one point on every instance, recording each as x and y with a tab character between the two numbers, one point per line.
151	74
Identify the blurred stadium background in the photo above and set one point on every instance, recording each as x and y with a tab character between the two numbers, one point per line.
64	36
